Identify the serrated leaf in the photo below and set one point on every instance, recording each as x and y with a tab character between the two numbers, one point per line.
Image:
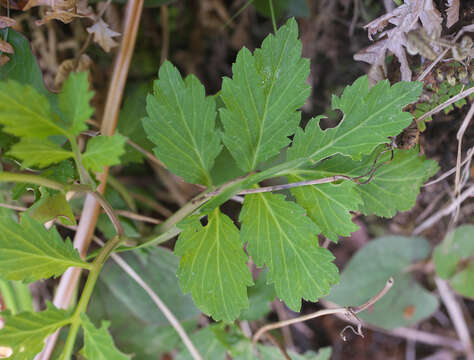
213	266
260	297
394	186
280	235
262	98
25	333
454	259
328	205
38	152
30	252
24	112
181	123
74	101
370	117
365	275
98	344
103	151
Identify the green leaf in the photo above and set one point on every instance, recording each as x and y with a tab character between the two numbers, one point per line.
207	343
22	66
213	266
30	252
328	205
454	259
50	207
25	333
118	298
394	186
74	101
38	152
181	123
370	117
103	151
367	272
98	344
24	112
262	98
280	235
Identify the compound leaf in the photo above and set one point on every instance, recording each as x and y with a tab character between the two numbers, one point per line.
213	266
38	152
74	101
181	123
25	332
262	98
98	343
328	205
30	252
280	235
370	117
103	151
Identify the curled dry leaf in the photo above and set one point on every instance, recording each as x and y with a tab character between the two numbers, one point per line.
6	47
405	18
452	12
103	35
4	59
69	65
6	22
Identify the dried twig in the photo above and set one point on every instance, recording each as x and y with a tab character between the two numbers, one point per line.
456	315
469	155
349	312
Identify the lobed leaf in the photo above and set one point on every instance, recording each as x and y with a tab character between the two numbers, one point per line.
74	101
262	98
30	252
280	235
24	112
370	117
213	266
25	333
38	152
98	344
181	123
103	151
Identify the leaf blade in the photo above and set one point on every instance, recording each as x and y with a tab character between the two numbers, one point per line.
279	235
263	96
181	124
30	252
38	152
103	151
213	267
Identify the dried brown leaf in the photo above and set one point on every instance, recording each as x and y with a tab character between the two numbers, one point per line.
4	59
6	22
103	35
6	47
452	12
61	15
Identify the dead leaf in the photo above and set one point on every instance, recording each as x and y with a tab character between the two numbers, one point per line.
404	19
64	16
4	59
6	47
69	65
6	22
103	35
452	12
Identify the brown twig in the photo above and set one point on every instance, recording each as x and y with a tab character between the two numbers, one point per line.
349	312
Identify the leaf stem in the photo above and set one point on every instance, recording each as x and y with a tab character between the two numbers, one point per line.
272	12
83	174
86	295
41	181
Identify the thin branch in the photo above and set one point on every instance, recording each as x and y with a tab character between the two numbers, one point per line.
455	313
452	100
158	302
446	211
469	155
349	312
138	217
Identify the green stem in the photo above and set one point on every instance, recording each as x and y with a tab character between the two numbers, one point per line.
83	174
8	295
272	12
123	191
41	181
23	296
86	295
